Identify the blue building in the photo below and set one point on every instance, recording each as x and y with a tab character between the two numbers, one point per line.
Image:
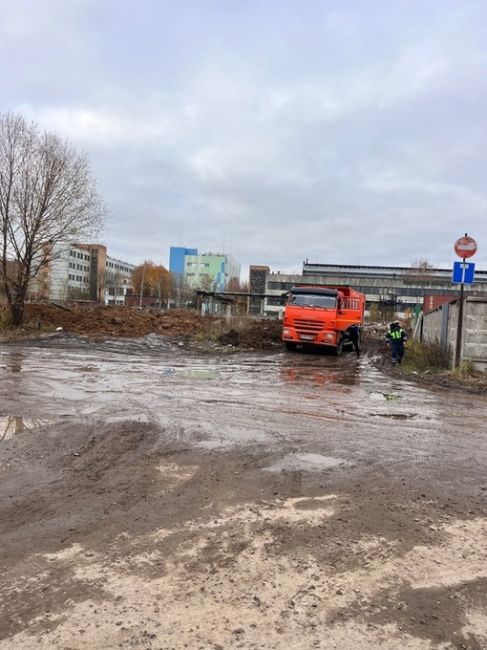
176	258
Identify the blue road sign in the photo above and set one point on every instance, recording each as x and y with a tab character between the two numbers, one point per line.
463	272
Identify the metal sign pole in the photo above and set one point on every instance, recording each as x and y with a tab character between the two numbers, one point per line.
462	274
458	348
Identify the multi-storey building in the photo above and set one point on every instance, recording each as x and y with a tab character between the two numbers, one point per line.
176	258
83	272
118	280
209	271
257	285
68	274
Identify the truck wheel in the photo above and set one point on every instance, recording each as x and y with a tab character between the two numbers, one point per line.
290	346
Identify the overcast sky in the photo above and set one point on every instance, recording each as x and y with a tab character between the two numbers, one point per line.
277	130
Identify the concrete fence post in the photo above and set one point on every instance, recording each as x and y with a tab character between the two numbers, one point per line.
445	313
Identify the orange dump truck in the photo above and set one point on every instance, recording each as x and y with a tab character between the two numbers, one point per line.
321	316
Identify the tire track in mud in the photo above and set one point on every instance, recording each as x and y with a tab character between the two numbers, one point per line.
142	513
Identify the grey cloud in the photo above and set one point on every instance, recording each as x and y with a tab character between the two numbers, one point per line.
283	129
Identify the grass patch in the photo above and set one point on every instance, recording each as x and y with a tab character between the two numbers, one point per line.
5	320
467	370
425	357
211	333
8	331
221	331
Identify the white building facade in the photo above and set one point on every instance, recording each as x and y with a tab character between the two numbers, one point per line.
69	273
118	280
85	272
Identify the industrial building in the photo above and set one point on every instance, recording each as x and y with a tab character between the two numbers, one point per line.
210	271
398	288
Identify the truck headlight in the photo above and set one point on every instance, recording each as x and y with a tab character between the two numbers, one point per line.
286	331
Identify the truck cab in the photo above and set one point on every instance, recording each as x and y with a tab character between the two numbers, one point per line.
319	316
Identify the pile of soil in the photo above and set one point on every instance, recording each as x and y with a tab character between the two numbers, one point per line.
261	334
100	321
97	321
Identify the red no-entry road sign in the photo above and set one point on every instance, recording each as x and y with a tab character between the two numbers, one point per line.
465	247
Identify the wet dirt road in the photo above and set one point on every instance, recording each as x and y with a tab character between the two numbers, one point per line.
156	497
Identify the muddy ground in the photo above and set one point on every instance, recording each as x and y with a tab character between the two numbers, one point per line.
100	321
157	497
208	333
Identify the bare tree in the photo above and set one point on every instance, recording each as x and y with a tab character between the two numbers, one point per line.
233	285
101	286
420	270
181	291
423	265
113	284
47	197
207	282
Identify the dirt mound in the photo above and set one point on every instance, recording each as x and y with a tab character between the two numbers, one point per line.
259	334
100	321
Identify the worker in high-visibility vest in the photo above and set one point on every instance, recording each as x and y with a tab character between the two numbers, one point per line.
396	337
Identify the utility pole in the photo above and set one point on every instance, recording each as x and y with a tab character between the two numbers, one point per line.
142	287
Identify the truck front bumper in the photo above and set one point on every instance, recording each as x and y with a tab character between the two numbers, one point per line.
325	337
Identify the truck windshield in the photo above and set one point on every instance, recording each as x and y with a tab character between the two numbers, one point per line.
313	300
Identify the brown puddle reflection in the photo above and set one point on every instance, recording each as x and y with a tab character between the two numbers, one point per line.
13	362
322	376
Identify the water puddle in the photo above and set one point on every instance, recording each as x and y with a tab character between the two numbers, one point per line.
13	362
198	373
12	425
212	444
232	437
87	368
321	375
209	401
306	462
395	416
381	397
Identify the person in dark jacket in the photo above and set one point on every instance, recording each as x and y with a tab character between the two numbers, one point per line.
354	337
396	337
